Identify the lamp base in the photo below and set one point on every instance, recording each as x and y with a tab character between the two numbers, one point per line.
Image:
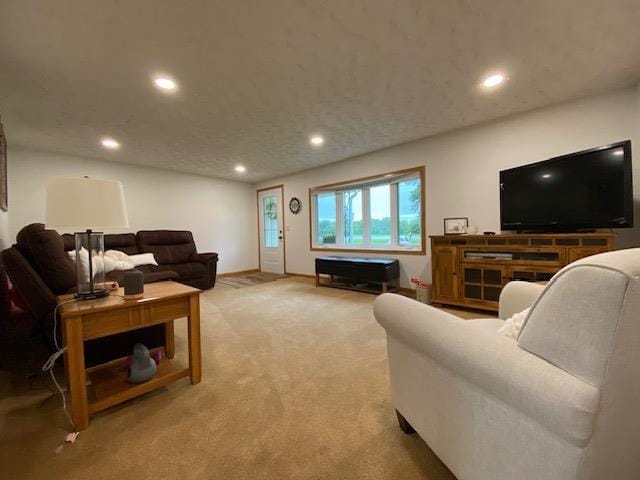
91	284
90	295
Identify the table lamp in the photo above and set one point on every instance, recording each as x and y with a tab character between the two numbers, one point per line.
89	204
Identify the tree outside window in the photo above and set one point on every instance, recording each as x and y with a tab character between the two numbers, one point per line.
352	208
409	200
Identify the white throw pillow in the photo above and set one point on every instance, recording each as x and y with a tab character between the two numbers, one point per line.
120	260
143	259
112	260
116	254
84	262
100	263
109	264
513	325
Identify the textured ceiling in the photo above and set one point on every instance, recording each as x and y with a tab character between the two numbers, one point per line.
258	77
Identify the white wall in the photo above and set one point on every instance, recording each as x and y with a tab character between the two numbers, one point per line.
462	168
5	237
220	213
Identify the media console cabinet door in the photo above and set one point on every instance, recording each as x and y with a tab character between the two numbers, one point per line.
532	274
445	273
583	252
483	283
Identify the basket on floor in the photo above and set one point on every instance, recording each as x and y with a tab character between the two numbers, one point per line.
423	294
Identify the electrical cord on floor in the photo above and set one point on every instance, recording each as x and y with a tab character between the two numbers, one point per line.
51	361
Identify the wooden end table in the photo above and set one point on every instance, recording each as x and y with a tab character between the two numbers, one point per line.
163	303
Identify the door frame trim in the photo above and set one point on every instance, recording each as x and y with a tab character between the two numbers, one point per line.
284	236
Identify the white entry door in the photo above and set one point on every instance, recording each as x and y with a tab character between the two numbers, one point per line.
270	230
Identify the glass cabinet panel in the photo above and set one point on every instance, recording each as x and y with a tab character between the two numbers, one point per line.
472	275
492	277
473	292
491	294
483	283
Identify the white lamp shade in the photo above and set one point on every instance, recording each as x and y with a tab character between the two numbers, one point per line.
76	203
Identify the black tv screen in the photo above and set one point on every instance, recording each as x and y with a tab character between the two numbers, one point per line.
584	190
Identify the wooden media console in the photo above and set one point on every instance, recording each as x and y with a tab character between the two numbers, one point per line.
470	270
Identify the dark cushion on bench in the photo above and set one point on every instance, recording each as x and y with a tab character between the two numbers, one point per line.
370	269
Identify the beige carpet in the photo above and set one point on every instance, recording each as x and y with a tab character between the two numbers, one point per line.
295	386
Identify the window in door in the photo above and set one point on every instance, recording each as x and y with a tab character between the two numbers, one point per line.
270	220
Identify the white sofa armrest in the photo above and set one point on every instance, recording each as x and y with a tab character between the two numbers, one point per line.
516	296
552	397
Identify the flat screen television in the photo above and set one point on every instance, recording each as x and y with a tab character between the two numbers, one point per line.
580	191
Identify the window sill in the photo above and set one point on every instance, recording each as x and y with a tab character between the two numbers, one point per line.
396	251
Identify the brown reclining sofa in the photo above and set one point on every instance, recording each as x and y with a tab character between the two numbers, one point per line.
40	269
174	251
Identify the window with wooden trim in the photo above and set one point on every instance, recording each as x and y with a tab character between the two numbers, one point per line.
384	212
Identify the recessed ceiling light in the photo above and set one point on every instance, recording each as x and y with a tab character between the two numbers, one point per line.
110	143
165	83
240	168
316	140
546	175
493	80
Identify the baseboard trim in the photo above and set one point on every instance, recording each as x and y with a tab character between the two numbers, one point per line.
305	275
239	272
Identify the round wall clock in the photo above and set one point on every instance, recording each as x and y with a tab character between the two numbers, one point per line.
295	205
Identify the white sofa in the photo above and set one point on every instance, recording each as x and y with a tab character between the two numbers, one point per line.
562	402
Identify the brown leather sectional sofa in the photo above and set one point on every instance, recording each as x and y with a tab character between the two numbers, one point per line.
40	269
174	251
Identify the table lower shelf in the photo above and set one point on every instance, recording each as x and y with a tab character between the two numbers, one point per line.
110	386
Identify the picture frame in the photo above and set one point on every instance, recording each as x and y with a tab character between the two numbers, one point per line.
4	203
456	225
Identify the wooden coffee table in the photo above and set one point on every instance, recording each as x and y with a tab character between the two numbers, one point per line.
163	303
